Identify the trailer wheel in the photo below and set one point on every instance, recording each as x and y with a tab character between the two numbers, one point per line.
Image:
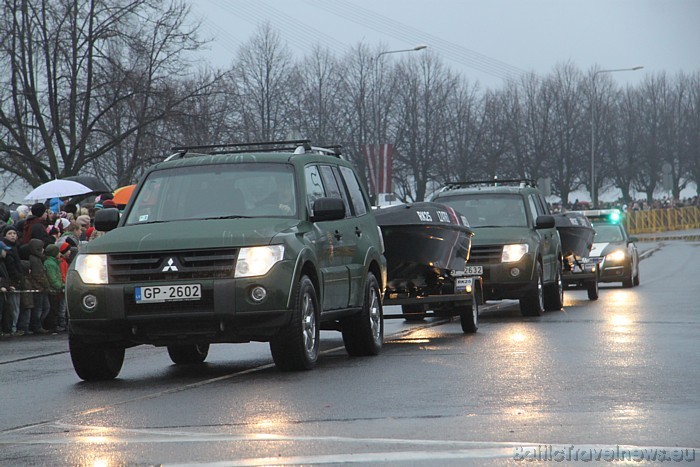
413	313
592	288
469	316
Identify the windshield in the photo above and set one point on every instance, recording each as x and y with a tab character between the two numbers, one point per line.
608	233
489	209
216	191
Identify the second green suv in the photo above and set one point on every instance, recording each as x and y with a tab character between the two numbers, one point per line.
233	243
516	247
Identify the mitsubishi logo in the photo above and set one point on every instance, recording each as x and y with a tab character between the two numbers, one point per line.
170	266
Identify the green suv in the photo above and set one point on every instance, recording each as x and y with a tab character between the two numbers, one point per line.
516	247
234	243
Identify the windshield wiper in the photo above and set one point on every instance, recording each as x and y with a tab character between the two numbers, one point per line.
233	216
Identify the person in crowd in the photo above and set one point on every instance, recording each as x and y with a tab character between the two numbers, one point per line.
16	273
71	211
66	255
38	281
35	225
71	234
84	222
26	297
19	215
5	215
5	288
52	264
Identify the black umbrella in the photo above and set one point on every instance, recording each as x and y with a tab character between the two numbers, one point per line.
89	181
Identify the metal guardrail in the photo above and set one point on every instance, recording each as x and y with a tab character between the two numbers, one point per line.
662	220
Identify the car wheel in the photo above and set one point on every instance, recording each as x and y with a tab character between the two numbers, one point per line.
363	334
635	279
95	362
187	354
592	289
469	316
296	346
532	304
413	313
628	281
554	293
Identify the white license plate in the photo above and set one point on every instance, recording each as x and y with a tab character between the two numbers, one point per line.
168	293
464	285
474	270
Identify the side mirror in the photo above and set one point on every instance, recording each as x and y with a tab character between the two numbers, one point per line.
106	219
545	222
634	239
328	209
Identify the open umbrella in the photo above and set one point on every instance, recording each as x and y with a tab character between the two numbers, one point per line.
69	186
123	194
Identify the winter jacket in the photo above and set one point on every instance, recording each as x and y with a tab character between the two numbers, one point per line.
4	276
35	227
14	265
38	280
64	270
53	272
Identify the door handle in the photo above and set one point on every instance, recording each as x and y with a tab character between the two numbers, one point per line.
358	231
338	235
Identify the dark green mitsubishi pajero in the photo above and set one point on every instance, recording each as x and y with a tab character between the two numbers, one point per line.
233	243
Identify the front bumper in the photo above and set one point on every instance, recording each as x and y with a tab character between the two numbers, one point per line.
225	312
507	280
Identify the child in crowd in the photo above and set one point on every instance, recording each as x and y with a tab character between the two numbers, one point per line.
16	272
5	288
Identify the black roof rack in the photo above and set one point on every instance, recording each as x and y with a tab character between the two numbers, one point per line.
520	182
297	146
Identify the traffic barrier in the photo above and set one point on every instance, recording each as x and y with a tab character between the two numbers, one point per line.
662	220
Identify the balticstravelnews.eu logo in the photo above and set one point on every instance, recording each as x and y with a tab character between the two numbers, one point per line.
571	453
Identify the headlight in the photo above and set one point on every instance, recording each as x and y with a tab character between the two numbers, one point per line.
92	268
617	255
258	260
513	253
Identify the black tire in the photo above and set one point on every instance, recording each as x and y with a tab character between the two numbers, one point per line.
554	293
413	313
188	354
592	289
95	362
469	316
296	346
628	281
635	279
532	304
363	334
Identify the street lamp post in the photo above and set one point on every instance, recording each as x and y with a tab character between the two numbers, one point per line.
594	190
377	114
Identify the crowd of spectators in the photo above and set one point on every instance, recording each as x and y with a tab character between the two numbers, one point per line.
637	205
37	246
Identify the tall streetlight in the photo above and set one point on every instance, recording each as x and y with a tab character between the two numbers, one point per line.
594	190
373	170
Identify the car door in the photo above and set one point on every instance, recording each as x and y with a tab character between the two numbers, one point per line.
549	238
329	240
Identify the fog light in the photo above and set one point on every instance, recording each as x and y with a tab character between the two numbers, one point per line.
258	294
515	272
89	302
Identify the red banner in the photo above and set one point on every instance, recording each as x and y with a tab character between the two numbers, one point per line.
379	164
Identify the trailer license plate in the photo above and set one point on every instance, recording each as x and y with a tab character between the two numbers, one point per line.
464	285
168	293
474	270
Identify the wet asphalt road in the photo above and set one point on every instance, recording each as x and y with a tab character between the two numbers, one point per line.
620	371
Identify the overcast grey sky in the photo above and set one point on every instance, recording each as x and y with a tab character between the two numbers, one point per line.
485	40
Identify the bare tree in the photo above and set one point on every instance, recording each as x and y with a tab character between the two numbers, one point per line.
85	79
263	76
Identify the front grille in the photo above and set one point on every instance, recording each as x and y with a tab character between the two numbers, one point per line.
485	254
171	265
204	305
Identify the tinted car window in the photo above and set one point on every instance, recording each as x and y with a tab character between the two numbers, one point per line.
608	233
314	186
333	190
358	201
